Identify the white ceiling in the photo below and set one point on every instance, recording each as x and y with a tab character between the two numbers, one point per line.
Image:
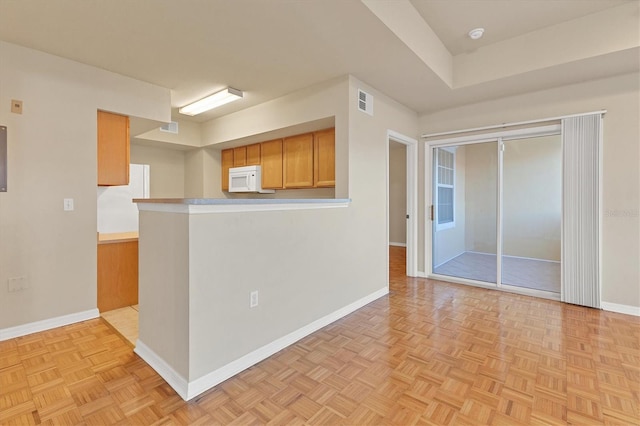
269	48
502	19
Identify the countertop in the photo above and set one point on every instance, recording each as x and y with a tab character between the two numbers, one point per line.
235	201
236	205
117	237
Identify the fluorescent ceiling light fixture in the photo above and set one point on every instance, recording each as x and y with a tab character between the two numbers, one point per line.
213	101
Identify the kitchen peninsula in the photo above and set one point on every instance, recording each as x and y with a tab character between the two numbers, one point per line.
225	283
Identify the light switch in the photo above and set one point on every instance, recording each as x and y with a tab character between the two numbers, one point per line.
68	204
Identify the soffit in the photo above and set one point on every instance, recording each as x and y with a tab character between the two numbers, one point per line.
271	48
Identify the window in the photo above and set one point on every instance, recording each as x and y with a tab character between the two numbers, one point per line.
445	160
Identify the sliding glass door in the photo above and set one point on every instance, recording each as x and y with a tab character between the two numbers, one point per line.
465	198
532	212
497	206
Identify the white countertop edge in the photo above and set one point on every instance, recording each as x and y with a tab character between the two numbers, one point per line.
236	208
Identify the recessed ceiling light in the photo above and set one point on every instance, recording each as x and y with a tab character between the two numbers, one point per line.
476	33
217	99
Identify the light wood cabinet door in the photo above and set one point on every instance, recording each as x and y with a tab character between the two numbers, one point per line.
253	155
324	159
117	275
240	156
226	163
113	149
271	161
298	161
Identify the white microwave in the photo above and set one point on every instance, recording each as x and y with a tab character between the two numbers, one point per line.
247	179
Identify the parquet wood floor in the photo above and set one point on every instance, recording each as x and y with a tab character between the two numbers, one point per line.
429	353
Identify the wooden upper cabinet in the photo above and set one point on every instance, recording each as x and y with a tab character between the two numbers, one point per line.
240	156
301	161
271	161
227	163
253	154
113	149
298	161
324	158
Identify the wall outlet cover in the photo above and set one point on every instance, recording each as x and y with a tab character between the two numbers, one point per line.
16	106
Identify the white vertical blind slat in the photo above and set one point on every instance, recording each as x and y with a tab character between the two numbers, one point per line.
581	210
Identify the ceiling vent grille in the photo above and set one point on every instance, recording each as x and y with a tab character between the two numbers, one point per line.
365	102
170	127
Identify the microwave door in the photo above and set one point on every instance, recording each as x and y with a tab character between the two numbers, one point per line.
239	182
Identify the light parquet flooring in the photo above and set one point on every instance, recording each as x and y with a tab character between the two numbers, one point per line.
429	353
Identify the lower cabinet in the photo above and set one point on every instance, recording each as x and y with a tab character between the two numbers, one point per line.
117	274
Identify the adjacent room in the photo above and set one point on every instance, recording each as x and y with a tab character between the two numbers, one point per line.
467	213
319	212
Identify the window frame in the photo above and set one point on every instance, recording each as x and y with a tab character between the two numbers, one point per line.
451	224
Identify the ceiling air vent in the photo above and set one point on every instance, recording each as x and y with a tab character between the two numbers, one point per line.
170	127
365	102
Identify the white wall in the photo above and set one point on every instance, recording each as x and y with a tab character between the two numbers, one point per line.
167	169
481	198
397	193
52	152
620	96
346	249
532	197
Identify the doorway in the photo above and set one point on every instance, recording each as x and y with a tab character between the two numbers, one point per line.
497	210
402	196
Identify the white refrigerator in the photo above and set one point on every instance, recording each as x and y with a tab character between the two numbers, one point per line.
116	210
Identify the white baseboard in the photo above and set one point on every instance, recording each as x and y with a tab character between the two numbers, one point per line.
621	309
47	324
189	390
397	244
175	380
449	260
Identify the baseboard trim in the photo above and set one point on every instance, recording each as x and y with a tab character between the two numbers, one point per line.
189	390
621	309
397	244
172	377
202	384
47	324
448	260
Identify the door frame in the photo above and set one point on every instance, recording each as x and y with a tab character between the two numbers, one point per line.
499	137
411	145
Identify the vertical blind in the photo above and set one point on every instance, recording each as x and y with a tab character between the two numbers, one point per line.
581	141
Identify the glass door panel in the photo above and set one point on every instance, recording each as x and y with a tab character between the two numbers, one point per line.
465	182
532	212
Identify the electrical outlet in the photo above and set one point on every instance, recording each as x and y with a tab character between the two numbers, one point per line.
254	299
16	106
16	284
68	204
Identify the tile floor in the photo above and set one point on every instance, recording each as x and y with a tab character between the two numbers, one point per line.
516	271
124	321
